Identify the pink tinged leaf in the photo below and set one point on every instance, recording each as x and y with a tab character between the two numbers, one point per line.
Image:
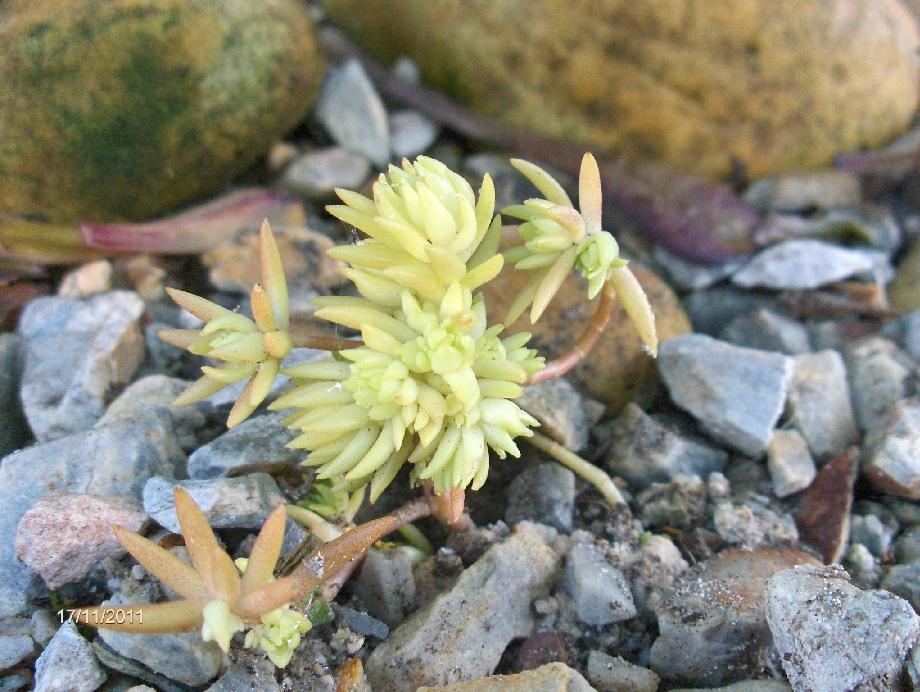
273	281
201	228
265	552
321	565
199	538
590	195
224	576
143	618
161	563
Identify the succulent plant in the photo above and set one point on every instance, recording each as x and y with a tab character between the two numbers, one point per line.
431	384
220	598
250	348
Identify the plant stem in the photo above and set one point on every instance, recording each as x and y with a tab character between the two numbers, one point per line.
560	366
321	342
585	469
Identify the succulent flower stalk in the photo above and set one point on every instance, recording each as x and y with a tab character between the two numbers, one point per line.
558	238
249	348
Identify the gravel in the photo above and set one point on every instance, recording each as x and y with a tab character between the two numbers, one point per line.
544	493
599	590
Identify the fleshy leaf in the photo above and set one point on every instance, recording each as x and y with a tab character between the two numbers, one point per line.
161	563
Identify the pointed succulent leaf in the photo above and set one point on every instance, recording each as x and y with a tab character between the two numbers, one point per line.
200	389
543	181
635	303
265	552
199	538
273	281
590	194
161	563
143	618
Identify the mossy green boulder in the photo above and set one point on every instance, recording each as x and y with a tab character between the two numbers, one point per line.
124	109
769	85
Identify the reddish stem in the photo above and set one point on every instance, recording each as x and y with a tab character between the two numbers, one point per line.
560	366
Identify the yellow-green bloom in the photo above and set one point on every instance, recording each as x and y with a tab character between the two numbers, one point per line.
220	623
279	634
250	348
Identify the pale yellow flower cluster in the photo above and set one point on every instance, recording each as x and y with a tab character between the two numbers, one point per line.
432	384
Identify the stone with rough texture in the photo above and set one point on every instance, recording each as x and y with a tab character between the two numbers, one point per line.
257	440
15	649
797	265
564	414
643	450
880	375
618	675
552	677
712	625
68	664
183	657
316	174
819	405
75	352
831	636
543	493
114	459
767	331
158	392
753	524
704	87
243	502
892	451
64	535
618	367
599	590
823	515
411	134
461	634
353	114
385	585
791	467
119	110
737	394
13	429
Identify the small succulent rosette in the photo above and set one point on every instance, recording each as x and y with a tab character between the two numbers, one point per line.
433	382
557	238
249	348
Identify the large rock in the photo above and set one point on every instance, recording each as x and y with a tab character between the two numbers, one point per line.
893	451
460	636
599	590
76	351
797	265
831	636
819	403
643	450
126	109
772	86
68	664
737	394
111	460
713	627
64	535
617	367
256	440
